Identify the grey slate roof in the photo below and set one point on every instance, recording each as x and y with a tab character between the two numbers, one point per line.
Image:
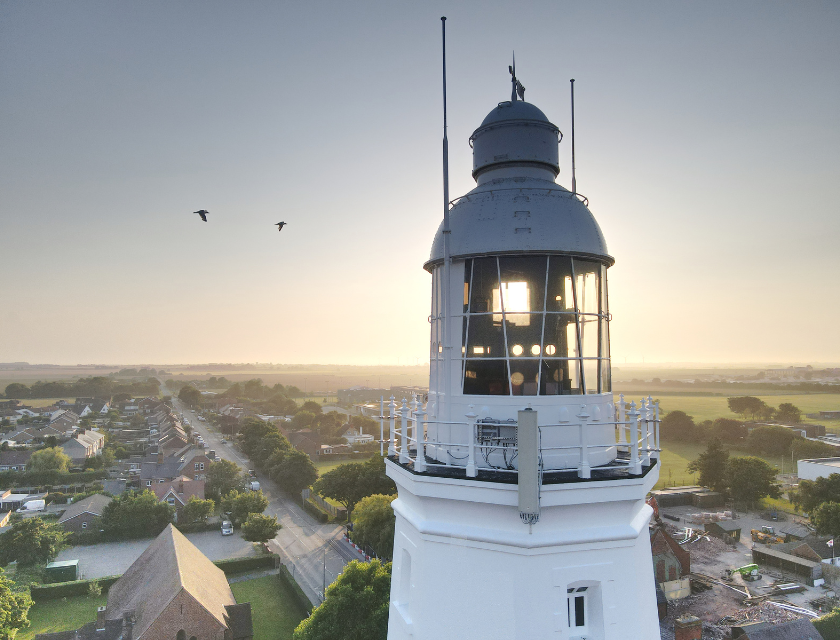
94	504
801	629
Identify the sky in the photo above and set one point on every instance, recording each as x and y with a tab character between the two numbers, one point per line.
707	142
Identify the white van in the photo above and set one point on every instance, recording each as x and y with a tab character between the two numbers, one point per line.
32	506
254	485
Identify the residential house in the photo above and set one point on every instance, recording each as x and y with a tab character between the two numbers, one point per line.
355	436
85	444
82	515
129	408
307	441
14	460
171	591
178	493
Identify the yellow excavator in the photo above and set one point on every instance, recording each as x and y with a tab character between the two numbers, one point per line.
766	535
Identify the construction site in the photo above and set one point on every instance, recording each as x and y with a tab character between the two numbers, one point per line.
724	574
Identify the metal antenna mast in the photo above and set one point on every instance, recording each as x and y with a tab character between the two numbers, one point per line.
447	260
574	183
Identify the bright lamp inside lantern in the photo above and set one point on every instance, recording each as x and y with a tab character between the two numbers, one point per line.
517	303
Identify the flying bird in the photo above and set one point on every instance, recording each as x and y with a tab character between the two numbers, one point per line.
280	225
203	213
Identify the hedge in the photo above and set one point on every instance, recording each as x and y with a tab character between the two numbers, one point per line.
36	479
72	588
237	565
286	577
312	509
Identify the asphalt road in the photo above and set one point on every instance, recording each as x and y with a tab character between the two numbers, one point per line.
314	553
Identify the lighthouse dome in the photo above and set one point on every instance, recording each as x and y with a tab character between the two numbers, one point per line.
515	134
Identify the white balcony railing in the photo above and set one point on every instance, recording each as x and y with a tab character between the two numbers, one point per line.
635	441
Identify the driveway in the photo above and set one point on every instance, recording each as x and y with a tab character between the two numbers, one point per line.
114	558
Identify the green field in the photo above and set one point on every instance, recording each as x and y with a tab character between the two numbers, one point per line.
676	456
711	407
62	614
274	609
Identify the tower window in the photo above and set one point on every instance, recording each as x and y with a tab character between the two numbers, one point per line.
576	601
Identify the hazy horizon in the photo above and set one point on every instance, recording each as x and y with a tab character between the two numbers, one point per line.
708	144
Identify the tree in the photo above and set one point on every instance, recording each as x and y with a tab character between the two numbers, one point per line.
32	541
678	426
349	483
294	472
241	505
788	413
190	395
50	459
260	528
14	606
355	607
749	479
746	406
302	419
17	390
826	518
812	493
373	524
136	515
312	407
829	624
801	449
223	477
198	510
728	430
772	440
712	466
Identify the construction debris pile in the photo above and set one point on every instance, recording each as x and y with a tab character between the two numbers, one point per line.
706	517
764	612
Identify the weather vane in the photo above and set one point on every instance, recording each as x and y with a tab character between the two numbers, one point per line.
516	88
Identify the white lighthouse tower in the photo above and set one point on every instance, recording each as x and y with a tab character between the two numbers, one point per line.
521	510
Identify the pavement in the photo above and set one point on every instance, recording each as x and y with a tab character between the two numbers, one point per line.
114	558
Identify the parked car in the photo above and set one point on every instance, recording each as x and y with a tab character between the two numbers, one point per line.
227	528
254	485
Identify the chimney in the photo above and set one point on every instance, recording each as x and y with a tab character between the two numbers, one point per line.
181	485
160	456
100	619
688	628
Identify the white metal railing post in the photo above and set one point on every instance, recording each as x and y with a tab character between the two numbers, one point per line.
420	436
584	470
645	428
472	472
622	417
392	446
658	452
413	420
404	432
651	429
635	463
381	425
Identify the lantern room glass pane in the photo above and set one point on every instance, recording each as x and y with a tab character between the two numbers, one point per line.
559	293
523	377
590	372
560	377
560	336
485	279
524	338
485	338
486	377
589	327
588	277
523	285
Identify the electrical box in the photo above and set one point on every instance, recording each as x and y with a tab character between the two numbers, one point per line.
528	457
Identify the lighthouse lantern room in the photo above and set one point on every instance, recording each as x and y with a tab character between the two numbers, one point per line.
521	510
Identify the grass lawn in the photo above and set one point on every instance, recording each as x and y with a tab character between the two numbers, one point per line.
274	609
44	402
62	614
328	465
